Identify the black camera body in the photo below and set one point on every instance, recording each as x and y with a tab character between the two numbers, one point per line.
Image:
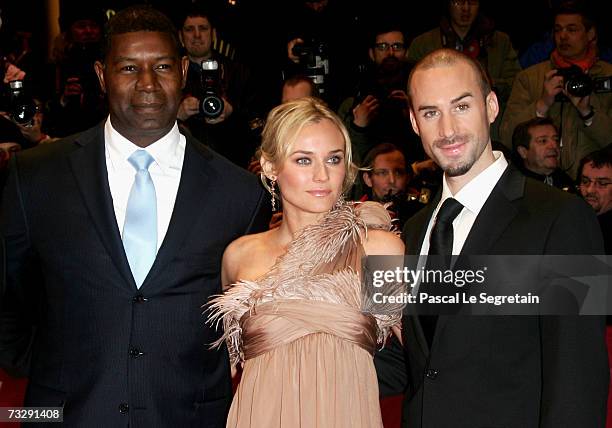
314	61
77	67
21	105
211	103
579	84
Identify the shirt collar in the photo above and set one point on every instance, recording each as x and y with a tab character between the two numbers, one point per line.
164	151
475	193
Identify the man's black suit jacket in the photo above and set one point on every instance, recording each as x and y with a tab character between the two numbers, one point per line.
521	371
109	353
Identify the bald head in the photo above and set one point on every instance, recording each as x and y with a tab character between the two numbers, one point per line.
448	58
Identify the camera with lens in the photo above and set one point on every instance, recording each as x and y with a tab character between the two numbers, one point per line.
19	103
77	68
211	103
579	84
314	62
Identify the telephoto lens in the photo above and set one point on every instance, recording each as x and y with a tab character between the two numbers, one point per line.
211	105
22	106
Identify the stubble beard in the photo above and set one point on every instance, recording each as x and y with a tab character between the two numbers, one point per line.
461	166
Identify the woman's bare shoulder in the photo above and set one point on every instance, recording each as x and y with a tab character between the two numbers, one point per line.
246	256
381	242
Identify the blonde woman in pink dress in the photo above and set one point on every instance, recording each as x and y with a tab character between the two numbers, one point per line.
295	316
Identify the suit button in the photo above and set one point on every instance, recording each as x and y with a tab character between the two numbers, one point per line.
139	298
124	408
431	374
135	353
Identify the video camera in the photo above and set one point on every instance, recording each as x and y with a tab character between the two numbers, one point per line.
314	61
211	104
579	84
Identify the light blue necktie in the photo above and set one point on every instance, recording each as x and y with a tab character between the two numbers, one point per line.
140	227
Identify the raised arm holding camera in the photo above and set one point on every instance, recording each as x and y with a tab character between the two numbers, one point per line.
78	102
573	89
219	98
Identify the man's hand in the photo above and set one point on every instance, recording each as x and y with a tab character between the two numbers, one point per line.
290	45
424	165
227	112
188	107
13	73
400	97
582	104
72	89
552	85
365	111
32	132
254	166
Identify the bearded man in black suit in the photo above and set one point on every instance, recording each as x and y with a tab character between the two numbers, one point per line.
128	252
494	371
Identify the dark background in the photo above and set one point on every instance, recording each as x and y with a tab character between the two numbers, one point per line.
256	27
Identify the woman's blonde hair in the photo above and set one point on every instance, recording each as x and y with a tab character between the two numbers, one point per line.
284	124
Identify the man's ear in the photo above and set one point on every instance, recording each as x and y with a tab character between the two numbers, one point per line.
371	54
184	69
99	69
592	34
413	122
367	179
492	106
522	151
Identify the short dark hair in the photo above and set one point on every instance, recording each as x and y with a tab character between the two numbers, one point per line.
88	12
197	10
575	7
299	78
521	136
383	27
598	158
380	149
447	57
139	18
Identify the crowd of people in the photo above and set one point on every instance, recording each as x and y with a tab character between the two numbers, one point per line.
157	173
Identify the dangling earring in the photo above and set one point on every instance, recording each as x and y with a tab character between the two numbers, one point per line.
272	190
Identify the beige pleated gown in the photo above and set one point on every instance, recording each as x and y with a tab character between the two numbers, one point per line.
304	332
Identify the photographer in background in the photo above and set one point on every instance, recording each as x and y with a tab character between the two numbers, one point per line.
378	110
78	103
595	186
465	28
535	151
387	180
21	114
584	122
226	131
321	45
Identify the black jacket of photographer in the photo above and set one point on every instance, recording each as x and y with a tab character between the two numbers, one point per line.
391	124
67	115
231	137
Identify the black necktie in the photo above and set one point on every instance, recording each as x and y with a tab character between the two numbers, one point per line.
440	244
441	238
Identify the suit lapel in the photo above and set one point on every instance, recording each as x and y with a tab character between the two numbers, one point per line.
494	217
496	214
189	205
414	233
89	168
